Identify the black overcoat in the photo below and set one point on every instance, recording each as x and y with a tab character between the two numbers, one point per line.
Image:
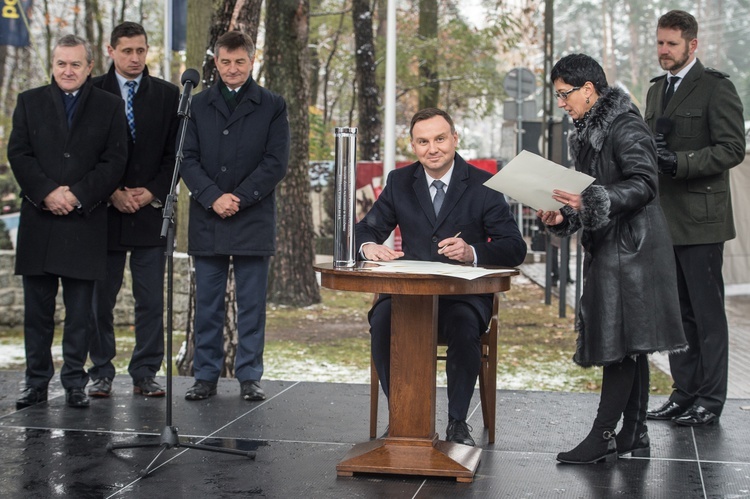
629	303
151	164
246	153
89	157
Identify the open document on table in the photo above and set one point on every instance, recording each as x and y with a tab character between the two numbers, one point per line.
434	268
530	179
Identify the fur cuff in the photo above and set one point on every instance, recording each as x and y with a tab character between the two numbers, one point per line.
570	225
595	207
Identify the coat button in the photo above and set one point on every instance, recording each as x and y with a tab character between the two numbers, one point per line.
66	155
708	188
225	132
434	239
256	193
223	168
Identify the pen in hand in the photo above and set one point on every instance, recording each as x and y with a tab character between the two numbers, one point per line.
443	247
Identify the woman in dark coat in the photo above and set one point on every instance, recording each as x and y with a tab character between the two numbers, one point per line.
629	307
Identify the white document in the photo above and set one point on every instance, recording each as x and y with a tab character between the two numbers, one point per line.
434	268
530	179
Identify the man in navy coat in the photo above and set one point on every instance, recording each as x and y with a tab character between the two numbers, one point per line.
67	150
135	215
236	152
445	214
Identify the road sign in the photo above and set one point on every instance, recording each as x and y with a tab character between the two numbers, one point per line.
519	83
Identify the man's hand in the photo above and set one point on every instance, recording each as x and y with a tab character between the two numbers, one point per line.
125	201
59	201
380	253
226	205
667	160
141	195
456	248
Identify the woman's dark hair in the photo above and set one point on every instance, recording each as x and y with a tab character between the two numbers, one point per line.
577	69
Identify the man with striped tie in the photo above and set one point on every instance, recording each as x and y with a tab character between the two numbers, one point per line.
135	215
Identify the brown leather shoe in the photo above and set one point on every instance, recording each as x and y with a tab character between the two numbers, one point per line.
148	387
101	388
31	395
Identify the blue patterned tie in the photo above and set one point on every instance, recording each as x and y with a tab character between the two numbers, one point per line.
129	107
437	201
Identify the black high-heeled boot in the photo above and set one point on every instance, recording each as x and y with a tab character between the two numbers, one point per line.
598	446
633	436
632	441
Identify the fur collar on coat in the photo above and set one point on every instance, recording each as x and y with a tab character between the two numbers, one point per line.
612	103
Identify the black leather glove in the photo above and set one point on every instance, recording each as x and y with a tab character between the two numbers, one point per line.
666	159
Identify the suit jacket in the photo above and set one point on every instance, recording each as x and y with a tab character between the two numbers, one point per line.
89	156
478	212
245	152
708	135
151	159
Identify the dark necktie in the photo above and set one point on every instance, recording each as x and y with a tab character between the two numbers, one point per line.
437	201
670	91
129	107
70	101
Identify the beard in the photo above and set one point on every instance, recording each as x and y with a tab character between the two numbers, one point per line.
674	64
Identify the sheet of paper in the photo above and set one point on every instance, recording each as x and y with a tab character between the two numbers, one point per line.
433	268
530	179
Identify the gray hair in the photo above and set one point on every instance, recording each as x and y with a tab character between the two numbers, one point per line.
75	41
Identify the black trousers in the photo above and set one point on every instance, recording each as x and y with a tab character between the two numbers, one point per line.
461	326
147	271
39	329
700	373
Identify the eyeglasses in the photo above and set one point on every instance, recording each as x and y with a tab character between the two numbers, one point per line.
564	95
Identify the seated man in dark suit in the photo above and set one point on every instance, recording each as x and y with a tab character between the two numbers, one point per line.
434	201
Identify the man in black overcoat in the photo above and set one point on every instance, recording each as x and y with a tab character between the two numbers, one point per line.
135	214
67	150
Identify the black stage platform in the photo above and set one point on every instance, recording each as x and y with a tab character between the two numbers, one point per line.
303	429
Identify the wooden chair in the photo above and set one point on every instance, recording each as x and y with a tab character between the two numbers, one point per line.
487	377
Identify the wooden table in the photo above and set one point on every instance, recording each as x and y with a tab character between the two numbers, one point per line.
412	446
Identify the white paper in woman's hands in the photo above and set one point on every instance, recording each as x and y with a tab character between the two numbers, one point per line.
530	179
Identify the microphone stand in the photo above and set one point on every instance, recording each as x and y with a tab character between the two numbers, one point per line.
170	438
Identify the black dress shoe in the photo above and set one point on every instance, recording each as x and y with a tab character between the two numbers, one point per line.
201	390
76	397
667	411
101	388
459	432
251	390
696	416
30	396
148	387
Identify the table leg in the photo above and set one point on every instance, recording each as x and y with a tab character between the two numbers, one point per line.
412	446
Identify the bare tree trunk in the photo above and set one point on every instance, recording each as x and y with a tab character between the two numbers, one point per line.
243	15
292	279
429	90
94	32
368	97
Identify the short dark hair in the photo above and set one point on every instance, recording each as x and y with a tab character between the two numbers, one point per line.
680	20
75	41
577	69
426	114
128	29
233	40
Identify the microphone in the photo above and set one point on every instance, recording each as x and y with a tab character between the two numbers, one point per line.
663	127
190	78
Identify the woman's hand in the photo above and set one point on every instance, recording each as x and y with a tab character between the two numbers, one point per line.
550	217
568	199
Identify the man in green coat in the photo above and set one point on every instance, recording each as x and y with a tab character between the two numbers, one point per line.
696	115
